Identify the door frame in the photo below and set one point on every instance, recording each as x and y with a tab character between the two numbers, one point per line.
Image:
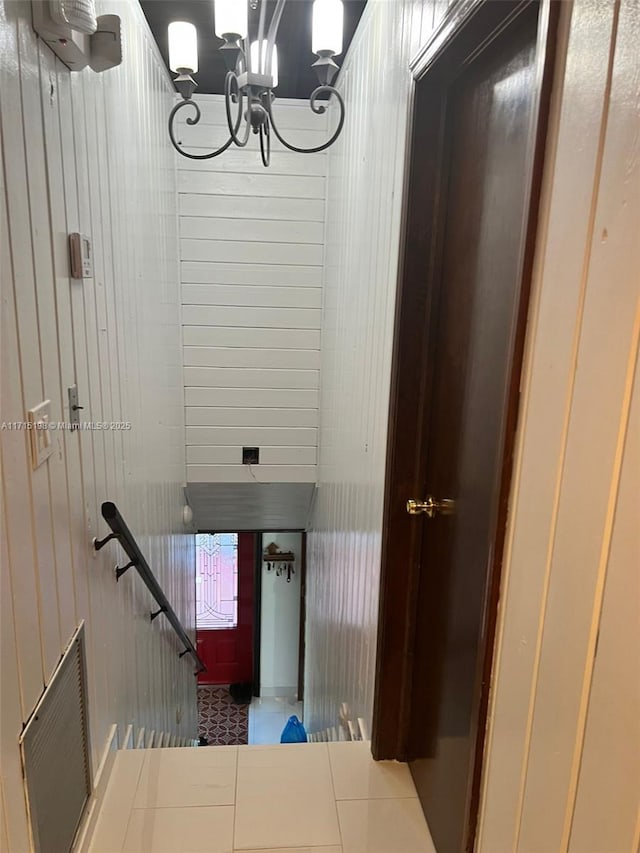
469	28
302	646
257	613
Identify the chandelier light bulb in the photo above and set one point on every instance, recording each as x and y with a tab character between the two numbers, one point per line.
231	18
259	63
183	47
328	25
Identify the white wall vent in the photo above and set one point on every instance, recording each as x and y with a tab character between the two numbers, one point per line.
55	754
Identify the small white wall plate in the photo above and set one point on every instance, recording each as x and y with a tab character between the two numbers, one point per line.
42	444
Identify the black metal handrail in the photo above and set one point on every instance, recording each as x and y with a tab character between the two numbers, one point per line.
121	532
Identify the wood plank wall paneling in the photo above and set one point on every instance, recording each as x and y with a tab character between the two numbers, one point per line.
71	162
252	246
560	743
364	198
566	704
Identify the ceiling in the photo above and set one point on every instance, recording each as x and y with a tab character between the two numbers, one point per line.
297	80
237	507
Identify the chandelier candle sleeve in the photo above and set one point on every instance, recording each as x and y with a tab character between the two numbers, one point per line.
231	19
259	61
183	48
252	75
328	24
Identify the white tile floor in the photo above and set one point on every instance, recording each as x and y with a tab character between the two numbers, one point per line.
268	717
307	798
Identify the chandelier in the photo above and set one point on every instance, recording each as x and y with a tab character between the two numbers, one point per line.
252	72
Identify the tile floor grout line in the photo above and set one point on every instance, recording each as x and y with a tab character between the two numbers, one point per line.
183	807
367	799
135	792
335	799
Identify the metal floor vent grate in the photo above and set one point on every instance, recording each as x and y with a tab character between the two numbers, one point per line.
55	754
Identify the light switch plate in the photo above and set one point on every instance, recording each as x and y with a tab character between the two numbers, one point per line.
42	445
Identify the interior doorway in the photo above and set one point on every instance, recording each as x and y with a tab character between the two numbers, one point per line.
249	633
481	102
279	647
225	606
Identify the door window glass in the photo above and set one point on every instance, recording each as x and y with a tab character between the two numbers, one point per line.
216	580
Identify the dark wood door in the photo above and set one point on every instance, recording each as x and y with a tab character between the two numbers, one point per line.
228	652
472	204
489	115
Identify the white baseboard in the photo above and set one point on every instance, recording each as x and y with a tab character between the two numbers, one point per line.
273	692
100	781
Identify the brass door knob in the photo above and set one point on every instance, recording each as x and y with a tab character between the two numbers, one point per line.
431	507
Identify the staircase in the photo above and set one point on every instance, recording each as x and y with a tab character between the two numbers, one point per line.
347	729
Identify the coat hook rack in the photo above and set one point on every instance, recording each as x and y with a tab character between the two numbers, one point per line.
282	562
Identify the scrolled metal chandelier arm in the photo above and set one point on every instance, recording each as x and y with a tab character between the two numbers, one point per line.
318	109
230	97
265	144
192	121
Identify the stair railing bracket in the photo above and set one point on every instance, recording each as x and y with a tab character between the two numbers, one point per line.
100	543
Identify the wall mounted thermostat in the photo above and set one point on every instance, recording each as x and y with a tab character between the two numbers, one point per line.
81	256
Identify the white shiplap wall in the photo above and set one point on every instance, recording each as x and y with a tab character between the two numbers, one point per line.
89	152
562	719
364	197
565	716
252	242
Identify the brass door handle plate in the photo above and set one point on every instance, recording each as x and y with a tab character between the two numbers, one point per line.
431	507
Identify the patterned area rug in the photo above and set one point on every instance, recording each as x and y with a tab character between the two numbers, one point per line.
221	721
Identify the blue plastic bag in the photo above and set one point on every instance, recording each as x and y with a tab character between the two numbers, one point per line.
293	732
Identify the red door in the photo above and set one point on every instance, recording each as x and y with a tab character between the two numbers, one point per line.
225	573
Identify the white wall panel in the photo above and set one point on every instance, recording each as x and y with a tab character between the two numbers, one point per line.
251	338
273	231
251	357
364	195
282	162
253	185
566	553
606	803
240	397
258	297
72	164
248	207
218	416
261	318
284	436
276	275
252	252
252	246
240	378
